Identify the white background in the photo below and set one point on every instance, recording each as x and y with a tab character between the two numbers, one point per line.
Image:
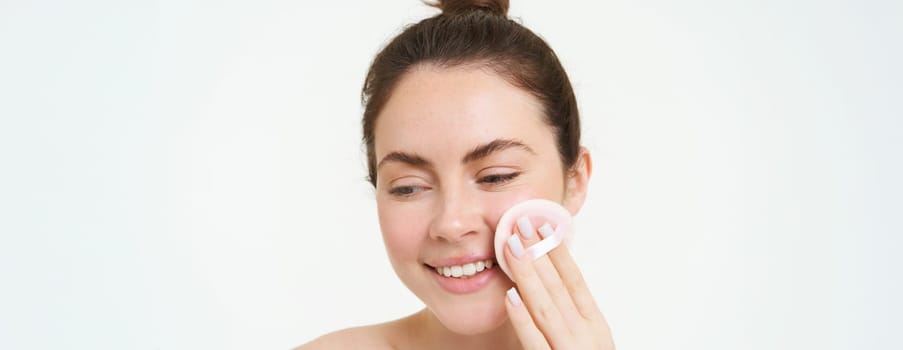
188	174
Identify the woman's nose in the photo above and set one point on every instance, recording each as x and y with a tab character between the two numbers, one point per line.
458	216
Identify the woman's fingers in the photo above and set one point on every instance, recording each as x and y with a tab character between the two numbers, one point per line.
551	279
543	310
573	280
529	335
557	310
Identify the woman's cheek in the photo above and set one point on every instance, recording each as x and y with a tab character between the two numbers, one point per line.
404	227
540	185
497	203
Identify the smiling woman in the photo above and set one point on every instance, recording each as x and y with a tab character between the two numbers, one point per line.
467	114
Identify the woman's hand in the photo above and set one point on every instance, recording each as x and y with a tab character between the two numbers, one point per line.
551	307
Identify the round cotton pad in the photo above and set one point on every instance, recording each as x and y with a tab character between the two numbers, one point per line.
540	211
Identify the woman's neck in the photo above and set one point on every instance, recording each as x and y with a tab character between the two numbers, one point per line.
427	332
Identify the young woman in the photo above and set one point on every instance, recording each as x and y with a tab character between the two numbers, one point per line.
468	113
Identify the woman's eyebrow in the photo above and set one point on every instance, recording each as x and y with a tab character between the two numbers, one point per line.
497	145
479	152
407	158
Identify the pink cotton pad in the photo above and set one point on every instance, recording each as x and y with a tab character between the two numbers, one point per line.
540	211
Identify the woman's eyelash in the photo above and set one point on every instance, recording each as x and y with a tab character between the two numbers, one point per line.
498	178
495	179
402	191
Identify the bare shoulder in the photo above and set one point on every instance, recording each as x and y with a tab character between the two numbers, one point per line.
377	336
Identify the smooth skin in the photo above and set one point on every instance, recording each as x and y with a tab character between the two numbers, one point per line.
446	204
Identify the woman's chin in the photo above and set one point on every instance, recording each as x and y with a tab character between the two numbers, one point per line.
472	318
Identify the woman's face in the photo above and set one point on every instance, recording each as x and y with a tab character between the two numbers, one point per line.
455	148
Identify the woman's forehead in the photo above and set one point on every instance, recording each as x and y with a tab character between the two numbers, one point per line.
453	110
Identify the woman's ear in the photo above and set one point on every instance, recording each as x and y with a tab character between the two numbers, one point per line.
577	181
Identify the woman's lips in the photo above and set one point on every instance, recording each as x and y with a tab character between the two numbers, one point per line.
465	284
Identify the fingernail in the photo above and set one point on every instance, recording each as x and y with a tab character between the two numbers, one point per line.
546	230
514	297
525	227
517	248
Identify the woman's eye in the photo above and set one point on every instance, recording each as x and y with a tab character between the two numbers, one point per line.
498	178
403	191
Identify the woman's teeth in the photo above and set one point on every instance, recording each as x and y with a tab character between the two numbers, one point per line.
466	270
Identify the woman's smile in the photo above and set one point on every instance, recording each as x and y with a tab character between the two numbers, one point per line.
467	284
465	270
463	275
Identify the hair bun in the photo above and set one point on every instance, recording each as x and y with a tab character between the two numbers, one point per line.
498	7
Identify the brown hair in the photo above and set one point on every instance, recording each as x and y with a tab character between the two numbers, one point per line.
476	32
